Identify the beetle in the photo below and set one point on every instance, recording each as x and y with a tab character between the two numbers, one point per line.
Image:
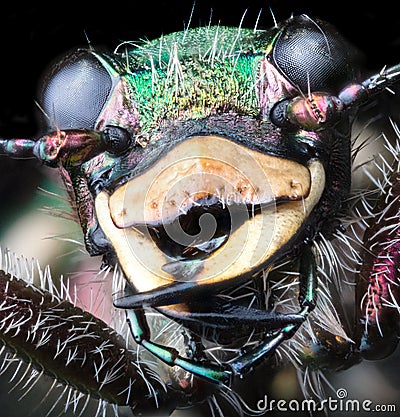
200	160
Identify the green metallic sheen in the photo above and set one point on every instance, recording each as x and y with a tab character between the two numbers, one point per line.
193	74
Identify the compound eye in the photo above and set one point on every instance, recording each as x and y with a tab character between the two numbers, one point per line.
75	91
313	56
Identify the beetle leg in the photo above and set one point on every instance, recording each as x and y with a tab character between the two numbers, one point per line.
141	333
377	332
308	284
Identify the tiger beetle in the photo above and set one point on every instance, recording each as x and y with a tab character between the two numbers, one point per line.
201	158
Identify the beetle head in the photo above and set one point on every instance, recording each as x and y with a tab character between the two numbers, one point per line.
224	148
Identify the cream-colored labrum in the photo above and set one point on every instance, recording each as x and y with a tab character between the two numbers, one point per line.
266	198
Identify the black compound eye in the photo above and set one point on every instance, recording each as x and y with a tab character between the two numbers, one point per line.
75	91
117	139
313	55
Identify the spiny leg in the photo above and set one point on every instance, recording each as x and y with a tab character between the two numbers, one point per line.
377	331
